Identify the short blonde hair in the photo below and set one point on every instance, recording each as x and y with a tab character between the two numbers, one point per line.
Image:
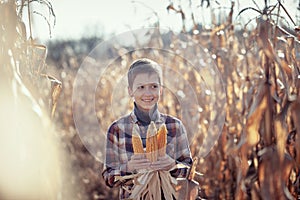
141	66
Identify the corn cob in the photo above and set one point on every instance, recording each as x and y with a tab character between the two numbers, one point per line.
162	140
151	143
136	140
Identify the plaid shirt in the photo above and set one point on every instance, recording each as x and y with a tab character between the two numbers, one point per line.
119	148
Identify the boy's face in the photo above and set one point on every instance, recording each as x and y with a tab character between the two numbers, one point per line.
146	91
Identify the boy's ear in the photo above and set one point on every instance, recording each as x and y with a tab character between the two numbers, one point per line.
161	90
130	91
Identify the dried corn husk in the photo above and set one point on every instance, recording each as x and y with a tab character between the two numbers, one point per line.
168	184
148	186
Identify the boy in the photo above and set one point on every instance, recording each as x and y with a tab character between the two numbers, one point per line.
145	87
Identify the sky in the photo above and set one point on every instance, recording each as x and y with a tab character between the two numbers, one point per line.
75	19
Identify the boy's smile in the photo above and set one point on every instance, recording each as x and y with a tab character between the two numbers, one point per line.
146	91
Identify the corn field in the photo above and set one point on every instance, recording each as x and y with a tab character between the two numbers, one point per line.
256	100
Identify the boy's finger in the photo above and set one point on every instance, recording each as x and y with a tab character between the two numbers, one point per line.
142	166
141	161
138	156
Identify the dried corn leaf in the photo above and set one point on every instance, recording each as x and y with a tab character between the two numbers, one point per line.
251	135
282	65
281	136
56	88
193	169
255	116
272	185
295	110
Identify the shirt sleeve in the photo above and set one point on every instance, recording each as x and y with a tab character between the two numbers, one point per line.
183	153
112	166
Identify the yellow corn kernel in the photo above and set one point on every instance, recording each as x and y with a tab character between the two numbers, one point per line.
151	143
137	143
162	140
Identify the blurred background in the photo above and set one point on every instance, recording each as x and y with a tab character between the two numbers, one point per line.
103	18
254	46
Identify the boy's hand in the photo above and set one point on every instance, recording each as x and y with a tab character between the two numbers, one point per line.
164	163
138	162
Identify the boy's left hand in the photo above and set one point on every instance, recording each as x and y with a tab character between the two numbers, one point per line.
164	163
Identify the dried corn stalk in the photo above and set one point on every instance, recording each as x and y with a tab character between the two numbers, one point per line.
136	140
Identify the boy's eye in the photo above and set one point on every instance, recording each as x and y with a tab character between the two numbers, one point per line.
152	86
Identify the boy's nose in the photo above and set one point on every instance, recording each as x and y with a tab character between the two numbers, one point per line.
148	91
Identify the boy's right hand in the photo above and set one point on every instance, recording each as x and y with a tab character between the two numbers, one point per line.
138	162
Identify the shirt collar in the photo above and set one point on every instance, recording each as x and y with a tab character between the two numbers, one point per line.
160	118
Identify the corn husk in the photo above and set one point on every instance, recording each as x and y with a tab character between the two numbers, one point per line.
148	185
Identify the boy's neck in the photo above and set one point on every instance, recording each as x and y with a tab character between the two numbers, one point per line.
145	117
